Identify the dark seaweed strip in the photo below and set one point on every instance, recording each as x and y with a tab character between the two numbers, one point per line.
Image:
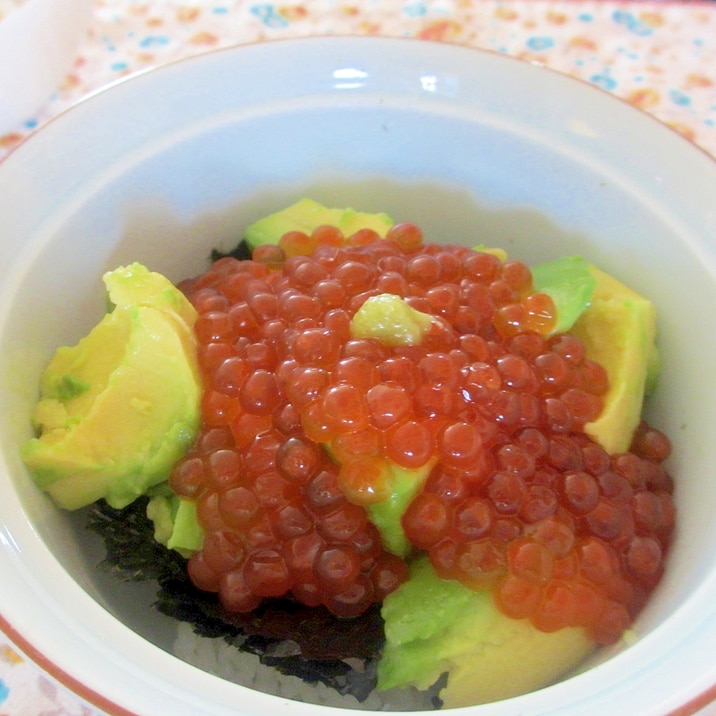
242	252
299	641
132	554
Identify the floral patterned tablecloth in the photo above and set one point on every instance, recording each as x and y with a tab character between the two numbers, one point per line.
657	55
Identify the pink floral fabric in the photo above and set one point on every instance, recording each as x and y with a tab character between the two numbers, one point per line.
656	55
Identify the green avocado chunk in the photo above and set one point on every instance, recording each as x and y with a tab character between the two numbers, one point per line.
120	407
176	525
391	321
387	514
619	332
306	215
570	284
435	626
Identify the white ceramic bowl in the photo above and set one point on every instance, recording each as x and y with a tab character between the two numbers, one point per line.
38	41
472	145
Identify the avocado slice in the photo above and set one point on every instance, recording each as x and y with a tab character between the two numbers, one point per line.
498	253
570	283
391	321
387	514
618	330
435	626
176	525
120	407
306	215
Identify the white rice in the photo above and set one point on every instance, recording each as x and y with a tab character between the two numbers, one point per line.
217	657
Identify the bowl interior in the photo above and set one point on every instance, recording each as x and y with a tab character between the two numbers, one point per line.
454	140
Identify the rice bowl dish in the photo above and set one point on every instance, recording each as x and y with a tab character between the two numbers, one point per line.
124	198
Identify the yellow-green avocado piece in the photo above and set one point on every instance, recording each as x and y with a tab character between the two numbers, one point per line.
618	330
387	514
435	626
570	283
306	215
175	521
120	407
391	321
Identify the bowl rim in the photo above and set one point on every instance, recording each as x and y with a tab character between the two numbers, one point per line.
35	653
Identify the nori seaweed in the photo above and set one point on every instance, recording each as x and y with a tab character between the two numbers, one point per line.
242	252
309	643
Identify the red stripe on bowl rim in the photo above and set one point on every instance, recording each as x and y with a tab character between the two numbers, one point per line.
704	699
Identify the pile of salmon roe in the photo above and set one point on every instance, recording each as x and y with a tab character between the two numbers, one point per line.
488	409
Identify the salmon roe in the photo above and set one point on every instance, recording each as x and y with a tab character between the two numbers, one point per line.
517	500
